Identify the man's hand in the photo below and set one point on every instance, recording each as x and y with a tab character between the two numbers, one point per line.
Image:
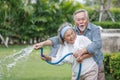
77	53
81	54
79	59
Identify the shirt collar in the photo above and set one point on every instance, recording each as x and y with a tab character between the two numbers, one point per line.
89	26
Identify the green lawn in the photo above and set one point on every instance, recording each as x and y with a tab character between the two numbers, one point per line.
32	67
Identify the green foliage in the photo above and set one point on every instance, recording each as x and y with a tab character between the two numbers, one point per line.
15	18
108	25
115	13
112	65
116	3
49	15
94	14
40	20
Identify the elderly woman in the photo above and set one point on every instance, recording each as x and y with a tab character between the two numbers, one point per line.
70	42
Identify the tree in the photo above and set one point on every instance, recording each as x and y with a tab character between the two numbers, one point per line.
105	10
25	21
115	3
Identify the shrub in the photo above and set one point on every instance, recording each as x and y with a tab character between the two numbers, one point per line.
112	65
115	13
108	24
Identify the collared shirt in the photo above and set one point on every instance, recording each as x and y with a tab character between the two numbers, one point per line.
93	33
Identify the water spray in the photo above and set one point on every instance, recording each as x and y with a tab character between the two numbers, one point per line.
11	61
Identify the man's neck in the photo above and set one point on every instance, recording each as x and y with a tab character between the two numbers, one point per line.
81	32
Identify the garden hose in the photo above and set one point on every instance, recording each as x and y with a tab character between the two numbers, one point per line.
57	62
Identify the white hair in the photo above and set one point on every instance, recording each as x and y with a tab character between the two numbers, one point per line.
79	11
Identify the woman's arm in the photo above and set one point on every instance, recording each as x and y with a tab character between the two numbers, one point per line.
44	43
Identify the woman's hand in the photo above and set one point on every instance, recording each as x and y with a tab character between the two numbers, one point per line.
41	44
38	45
46	57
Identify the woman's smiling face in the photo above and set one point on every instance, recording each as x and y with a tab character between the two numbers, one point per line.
70	36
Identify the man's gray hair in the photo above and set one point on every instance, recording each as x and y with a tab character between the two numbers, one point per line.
79	11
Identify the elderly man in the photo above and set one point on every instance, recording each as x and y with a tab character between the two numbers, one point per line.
82	27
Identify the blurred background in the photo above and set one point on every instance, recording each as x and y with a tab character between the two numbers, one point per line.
26	22
31	21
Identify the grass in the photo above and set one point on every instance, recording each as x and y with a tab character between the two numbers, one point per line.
4	51
32	68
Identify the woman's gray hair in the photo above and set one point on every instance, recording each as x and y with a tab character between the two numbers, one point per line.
79	11
61	39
